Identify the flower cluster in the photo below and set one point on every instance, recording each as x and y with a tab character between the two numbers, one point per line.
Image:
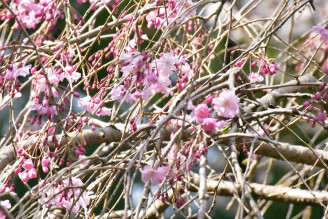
92	104
45	164
17	70
143	79
202	115
268	68
32	12
174	9
67	194
45	84
225	105
29	172
320	96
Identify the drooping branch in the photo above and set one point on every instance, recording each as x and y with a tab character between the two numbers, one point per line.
226	188
274	193
293	153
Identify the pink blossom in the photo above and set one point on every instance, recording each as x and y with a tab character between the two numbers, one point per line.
209	125
239	63
5	204
226	104
221	124
187	70
48	110
71	75
40	82
153	19
174	9
155	176
321	117
32	173
30	13
323	31
306	103
91	104
190	106
104	111
28	164
61	197
24	176
16	71
273	68
29	172
118	92
86	103
162	85
166	64
255	77
202	112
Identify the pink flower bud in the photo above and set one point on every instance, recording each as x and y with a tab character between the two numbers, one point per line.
306	103
322	87
317	96
45	164
239	63
76	94
209	99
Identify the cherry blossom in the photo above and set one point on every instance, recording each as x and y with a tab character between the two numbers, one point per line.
44	109
255	77
268	67
61	196
40	82
29	172
226	104
209	124
71	76
323	31
166	63
5	204
15	71
31	13
99	63
202	112
152	77
118	92
155	176
91	104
